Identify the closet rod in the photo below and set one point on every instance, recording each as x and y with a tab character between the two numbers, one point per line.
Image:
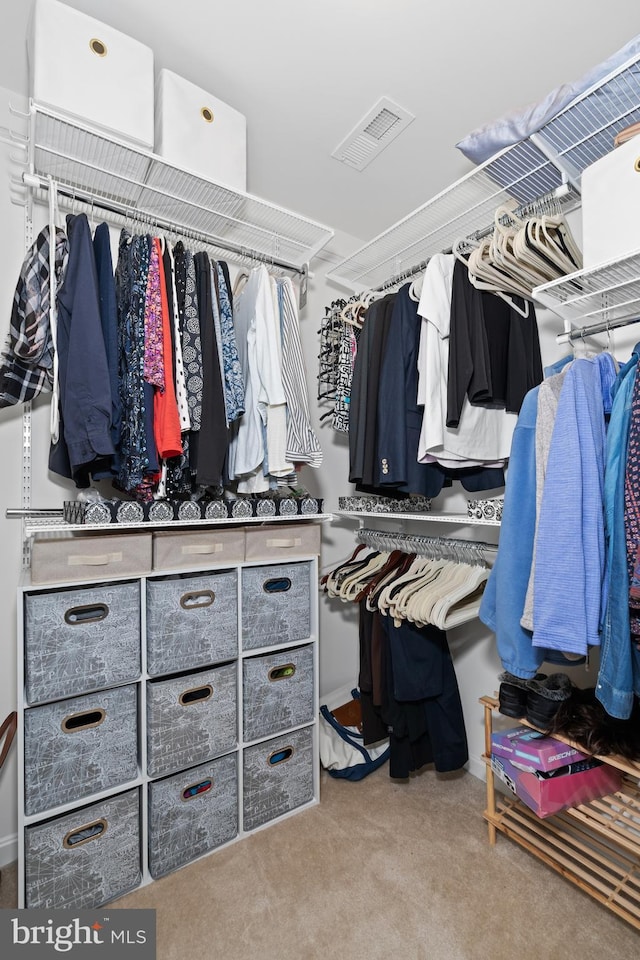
565	192
133	215
579	333
464	551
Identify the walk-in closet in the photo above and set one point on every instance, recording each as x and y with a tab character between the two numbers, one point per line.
320	511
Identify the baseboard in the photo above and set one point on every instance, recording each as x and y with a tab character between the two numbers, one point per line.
477	767
8	849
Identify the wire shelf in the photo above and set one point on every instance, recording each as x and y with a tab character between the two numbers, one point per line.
520	175
606	295
110	170
457	518
57	524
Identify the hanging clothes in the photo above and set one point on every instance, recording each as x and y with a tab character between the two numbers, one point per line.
302	443
26	367
212	438
84	443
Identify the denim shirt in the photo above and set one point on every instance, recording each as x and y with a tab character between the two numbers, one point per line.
619	673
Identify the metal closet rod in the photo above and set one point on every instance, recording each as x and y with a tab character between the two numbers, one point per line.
132	214
603	327
564	191
465	551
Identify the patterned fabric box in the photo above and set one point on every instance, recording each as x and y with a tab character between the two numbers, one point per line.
278	777
276	604
85	858
278	692
190	719
191	621
191	813
81	640
73	748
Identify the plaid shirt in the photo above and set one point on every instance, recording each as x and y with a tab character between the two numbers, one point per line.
26	365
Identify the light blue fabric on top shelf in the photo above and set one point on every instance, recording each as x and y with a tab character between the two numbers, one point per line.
488	139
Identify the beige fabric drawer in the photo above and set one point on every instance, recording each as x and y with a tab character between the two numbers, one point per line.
175	550
58	559
283	540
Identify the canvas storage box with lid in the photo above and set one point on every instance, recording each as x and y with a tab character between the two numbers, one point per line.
282	541
610	190
91	71
56	558
199	132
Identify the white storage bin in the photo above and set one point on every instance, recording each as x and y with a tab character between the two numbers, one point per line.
200	133
87	69
610	205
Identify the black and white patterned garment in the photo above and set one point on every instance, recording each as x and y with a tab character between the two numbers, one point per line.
347	350
190	322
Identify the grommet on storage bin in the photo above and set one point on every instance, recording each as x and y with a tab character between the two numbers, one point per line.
207	114
91	831
98	47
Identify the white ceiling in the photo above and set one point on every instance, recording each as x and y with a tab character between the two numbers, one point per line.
305	71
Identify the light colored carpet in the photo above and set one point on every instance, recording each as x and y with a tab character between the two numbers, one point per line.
378	869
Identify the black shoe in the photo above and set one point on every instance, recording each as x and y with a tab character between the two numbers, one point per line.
545	698
513	694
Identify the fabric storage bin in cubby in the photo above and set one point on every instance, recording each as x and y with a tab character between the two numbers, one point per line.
85	858
81	639
278	777
199	132
109	556
74	748
276	604
192	621
196	548
190	718
283	541
277	692
191	813
92	71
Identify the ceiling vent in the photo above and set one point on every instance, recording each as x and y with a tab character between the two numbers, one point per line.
376	130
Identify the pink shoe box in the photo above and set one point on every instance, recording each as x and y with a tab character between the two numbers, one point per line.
530	750
548	792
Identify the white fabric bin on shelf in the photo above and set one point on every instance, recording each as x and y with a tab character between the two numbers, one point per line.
87	69
610	196
199	132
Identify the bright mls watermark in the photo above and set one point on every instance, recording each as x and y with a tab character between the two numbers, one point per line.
101	933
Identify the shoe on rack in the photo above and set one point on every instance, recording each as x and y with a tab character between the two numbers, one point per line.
513	694
545	697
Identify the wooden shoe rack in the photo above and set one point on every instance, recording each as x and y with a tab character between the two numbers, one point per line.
595	845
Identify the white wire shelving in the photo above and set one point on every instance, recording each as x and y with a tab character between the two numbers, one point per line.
549	162
128	180
56	525
596	299
457	518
